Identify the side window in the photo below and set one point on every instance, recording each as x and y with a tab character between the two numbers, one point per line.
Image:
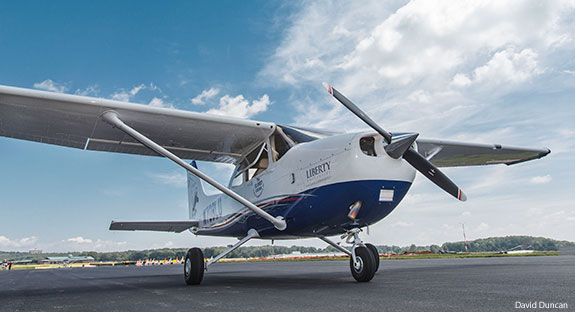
259	166
280	145
253	164
237	180
367	146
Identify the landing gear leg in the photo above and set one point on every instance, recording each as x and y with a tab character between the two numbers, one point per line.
194	266
363	261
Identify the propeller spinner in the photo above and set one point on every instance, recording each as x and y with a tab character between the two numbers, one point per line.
414	158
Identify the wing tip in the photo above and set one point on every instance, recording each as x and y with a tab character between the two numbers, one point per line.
113	226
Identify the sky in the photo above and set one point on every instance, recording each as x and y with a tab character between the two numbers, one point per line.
476	71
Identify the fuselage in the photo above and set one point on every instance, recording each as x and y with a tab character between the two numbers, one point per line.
312	186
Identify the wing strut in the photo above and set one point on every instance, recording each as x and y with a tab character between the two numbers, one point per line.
112	118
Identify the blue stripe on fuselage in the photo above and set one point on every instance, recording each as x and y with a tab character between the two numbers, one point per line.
323	212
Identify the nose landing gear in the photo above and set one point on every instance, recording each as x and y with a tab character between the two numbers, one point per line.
363	267
364	258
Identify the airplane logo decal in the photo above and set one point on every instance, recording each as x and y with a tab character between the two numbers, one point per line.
258	187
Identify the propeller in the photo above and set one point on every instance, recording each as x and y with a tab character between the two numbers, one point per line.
414	158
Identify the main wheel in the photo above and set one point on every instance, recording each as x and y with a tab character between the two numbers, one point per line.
364	268
375	253
194	266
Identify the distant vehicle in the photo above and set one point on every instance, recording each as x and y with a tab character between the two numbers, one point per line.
288	183
7	264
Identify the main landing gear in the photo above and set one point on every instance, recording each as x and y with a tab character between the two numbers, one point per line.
364	258
363	262
195	264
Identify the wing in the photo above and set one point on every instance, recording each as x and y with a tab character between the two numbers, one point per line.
74	121
162	226
453	154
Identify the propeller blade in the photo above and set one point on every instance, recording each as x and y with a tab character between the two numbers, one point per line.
358	112
433	173
410	155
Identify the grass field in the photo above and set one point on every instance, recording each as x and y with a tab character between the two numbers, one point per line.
408	257
300	258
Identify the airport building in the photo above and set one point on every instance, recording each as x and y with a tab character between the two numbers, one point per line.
69	259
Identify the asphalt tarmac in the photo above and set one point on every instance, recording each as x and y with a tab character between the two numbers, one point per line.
475	284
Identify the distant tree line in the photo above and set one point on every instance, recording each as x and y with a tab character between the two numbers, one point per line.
486	244
508	243
172	253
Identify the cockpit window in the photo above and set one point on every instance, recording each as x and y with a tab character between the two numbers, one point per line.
280	145
259	166
253	164
367	146
251	158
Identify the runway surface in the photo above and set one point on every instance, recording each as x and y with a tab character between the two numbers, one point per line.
476	284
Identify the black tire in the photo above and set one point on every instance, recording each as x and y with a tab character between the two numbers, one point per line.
194	266
375	253
366	269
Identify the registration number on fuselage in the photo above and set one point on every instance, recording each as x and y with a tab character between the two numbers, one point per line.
213	211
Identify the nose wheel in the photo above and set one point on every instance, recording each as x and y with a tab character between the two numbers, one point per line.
364	260
363	267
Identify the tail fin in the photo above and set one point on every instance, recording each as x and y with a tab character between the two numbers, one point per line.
196	193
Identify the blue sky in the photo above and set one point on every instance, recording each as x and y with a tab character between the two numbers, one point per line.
484	72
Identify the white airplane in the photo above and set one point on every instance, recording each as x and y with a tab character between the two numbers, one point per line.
288	182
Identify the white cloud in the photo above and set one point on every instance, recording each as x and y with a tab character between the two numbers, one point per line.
407	64
540	179
121	95
137	89
125	95
79	240
402	224
108	245
482	227
50	85
157	102
153	87
205	95
80	243
506	68
17	243
239	107
93	90
176	178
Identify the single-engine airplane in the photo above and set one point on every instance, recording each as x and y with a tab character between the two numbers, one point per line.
288	182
